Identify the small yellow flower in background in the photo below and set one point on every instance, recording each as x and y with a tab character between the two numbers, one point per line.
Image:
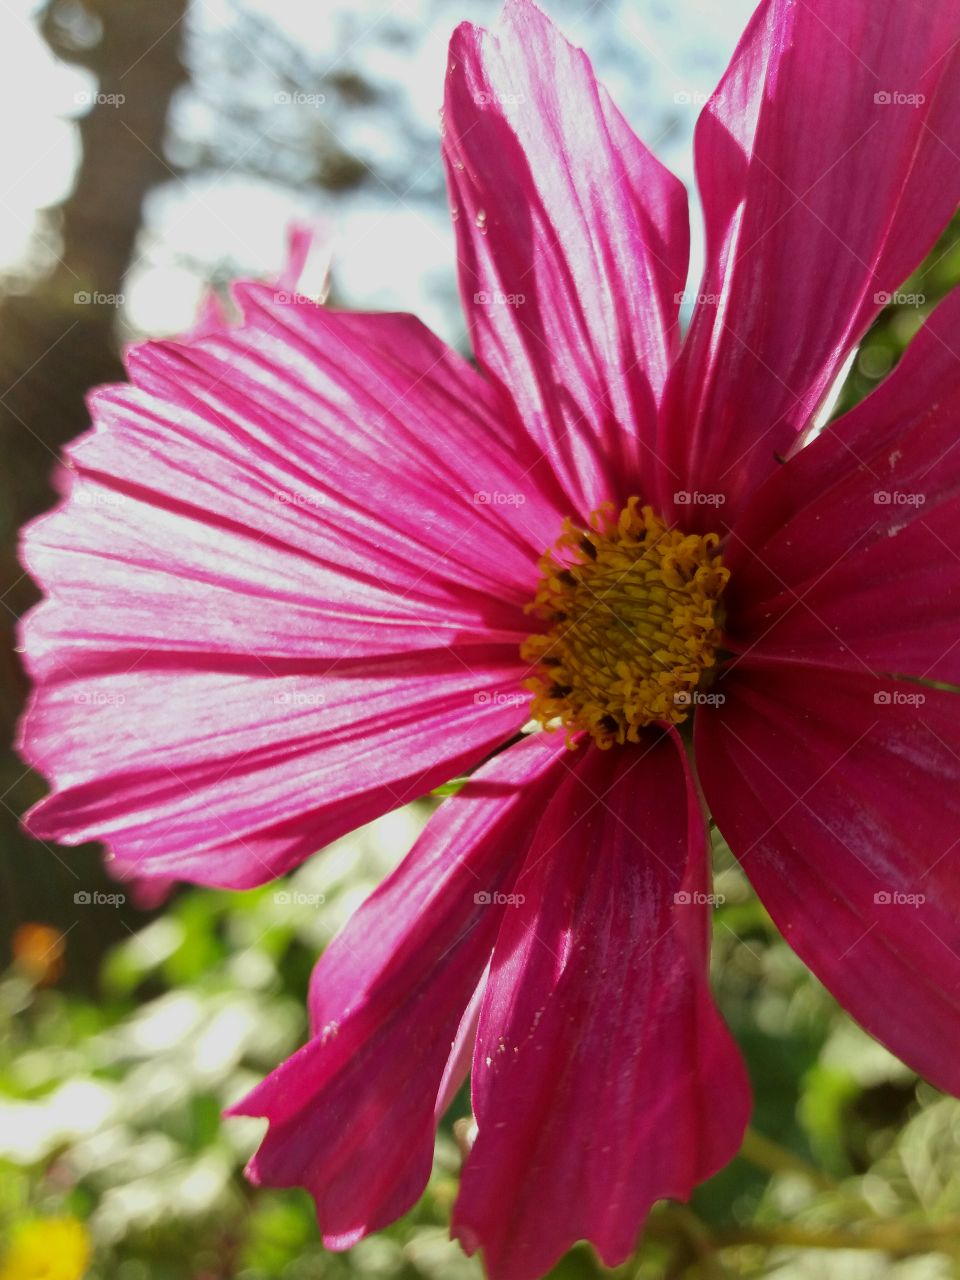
38	953
47	1249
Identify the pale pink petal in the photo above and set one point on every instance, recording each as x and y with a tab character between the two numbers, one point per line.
386	439
849	556
828	166
277	605
211	317
303	240
231	773
604	1078
352	1115
572	244
840	794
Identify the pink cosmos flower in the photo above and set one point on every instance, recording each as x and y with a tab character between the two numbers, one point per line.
308	567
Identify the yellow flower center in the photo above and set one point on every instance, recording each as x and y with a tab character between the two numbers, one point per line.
633	614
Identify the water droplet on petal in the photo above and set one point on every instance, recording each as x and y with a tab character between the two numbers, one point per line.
481	221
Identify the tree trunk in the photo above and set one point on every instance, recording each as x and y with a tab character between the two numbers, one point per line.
57	341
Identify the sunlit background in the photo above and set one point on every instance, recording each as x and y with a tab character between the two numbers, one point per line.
150	148
321	109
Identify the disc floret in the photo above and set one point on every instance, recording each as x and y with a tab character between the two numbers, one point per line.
633	618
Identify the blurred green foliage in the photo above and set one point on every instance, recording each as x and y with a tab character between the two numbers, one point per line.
902	317
110	1109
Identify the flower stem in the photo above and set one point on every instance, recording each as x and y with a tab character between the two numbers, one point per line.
769	1155
897	1238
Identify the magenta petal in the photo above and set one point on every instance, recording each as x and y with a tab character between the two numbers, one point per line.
827	163
352	1115
604	1078
840	794
231	776
573	243
388	443
277	603
847	556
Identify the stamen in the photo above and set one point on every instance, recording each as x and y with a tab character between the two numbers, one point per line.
633	621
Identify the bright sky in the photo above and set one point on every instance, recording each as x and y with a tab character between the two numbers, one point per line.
388	252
